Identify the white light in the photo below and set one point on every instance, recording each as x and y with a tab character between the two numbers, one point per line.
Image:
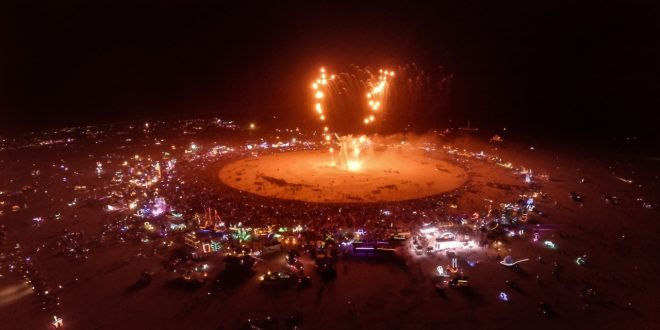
428	230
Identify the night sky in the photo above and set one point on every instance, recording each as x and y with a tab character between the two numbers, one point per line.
556	68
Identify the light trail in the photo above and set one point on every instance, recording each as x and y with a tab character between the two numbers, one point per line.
349	147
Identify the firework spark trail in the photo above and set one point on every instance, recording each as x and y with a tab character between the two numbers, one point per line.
339	99
413	95
338	91
326	86
320	87
376	96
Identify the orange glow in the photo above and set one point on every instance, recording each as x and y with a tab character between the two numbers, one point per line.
353	165
350	148
318	92
377	92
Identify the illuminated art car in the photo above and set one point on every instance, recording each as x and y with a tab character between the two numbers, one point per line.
197	273
277	277
460	281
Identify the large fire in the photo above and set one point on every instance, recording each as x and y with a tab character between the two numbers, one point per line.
354	165
350	150
350	147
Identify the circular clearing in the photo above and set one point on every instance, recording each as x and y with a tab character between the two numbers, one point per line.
309	176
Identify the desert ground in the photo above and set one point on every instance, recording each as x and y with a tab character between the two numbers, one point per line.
617	289
309	176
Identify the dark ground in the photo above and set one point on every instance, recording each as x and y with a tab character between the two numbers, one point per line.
391	294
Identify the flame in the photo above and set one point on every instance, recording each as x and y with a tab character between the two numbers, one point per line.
349	147
354	165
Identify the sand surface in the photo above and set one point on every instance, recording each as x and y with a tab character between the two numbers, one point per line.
620	240
309	176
